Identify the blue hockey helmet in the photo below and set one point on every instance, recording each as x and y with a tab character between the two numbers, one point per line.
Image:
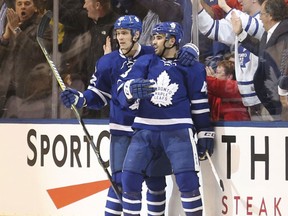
129	22
169	28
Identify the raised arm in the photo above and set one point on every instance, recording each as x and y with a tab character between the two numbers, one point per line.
219	30
249	42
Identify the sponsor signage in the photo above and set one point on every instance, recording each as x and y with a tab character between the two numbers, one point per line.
51	169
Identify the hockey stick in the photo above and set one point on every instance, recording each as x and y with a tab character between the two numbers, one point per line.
43	25
220	182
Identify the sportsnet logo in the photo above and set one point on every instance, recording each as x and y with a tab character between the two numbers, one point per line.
64	196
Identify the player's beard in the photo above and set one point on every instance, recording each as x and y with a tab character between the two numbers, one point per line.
158	50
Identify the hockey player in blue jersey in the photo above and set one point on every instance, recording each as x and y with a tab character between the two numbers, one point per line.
103	90
173	105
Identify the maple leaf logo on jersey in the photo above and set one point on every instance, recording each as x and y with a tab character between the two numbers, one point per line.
244	56
163	95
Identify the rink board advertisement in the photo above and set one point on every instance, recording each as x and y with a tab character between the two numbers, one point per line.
252	160
49	168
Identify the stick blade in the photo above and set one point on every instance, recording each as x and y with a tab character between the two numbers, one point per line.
219	181
221	185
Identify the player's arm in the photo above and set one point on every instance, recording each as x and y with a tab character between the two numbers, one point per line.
249	42
251	24
219	30
133	84
197	91
97	95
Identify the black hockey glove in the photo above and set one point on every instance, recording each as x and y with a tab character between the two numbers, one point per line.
205	143
188	54
139	88
71	97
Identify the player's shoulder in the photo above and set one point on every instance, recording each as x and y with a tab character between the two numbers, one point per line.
145	57
194	71
196	66
110	56
147	49
108	59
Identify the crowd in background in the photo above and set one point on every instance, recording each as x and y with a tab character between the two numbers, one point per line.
86	30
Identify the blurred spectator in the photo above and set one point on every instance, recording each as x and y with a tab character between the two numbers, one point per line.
211	50
128	7
270	49
87	24
101	27
75	20
20	54
150	20
223	93
246	63
158	13
39	90
229	56
150	12
215	11
186	7
10	3
87	21
43	5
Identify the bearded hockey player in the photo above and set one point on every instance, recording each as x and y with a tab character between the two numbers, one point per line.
173	105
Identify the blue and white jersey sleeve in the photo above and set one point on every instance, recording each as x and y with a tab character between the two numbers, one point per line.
138	70
98	92
197	92
219	30
222	30
251	24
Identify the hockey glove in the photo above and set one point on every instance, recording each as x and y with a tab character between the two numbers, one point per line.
205	143
71	97
188	54
283	85
139	88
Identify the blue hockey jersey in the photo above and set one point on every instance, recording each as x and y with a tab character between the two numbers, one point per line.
103	89
180	100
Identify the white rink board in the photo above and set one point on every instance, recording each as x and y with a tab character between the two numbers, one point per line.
29	168
255	183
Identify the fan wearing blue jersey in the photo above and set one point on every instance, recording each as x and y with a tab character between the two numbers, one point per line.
103	90
173	105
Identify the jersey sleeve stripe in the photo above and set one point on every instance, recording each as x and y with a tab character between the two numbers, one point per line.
170	121
207	110
199	101
101	94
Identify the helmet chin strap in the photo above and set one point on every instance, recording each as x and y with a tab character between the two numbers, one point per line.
132	45
166	48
